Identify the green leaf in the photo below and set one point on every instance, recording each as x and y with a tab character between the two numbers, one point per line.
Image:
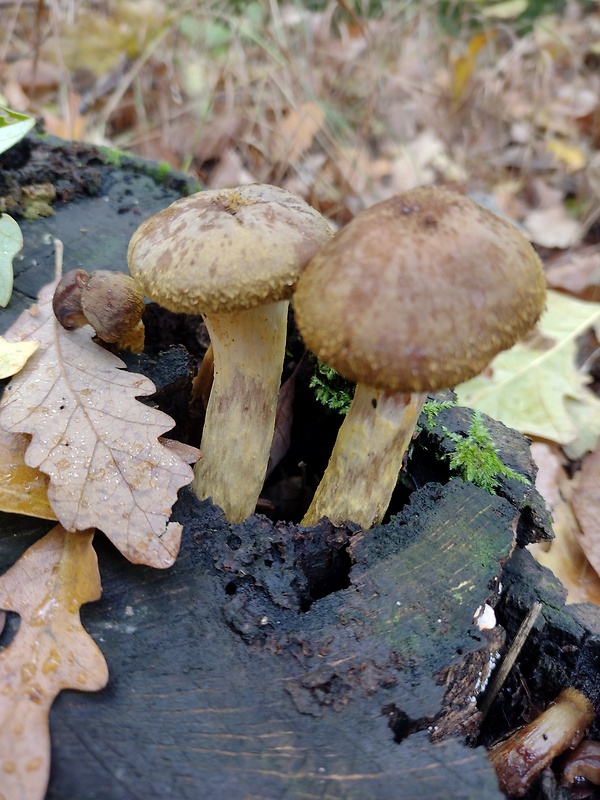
13	127
11	241
536	387
505	10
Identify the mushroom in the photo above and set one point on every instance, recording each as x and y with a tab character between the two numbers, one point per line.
520	758
111	302
234	256
418	293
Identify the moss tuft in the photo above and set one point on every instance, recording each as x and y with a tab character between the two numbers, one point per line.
476	459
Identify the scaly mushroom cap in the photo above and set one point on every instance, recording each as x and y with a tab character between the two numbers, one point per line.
419	292
224	250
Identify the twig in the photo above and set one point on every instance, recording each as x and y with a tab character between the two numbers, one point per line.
58	259
509	659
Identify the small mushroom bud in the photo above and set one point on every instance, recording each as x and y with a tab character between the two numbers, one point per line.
111	302
113	305
66	302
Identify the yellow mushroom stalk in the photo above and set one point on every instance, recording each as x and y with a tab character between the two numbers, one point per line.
234	256
248	349
519	759
376	430
418	293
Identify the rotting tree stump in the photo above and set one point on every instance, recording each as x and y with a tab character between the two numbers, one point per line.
272	661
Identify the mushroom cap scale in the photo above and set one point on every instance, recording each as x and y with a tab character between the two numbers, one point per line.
225	250
419	292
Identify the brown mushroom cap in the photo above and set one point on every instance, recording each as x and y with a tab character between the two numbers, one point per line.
419	292
225	250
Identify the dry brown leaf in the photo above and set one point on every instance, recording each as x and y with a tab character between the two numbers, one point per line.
586	505
97	443
564	555
578	273
50	652
283	422
68	123
297	130
552	227
23	489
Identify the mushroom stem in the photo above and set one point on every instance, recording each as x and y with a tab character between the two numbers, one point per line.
248	347
520	758
367	457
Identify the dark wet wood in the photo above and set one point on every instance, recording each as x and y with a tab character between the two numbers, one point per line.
230	673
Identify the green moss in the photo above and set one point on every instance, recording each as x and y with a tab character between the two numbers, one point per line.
475	457
331	389
431	408
162	171
112	156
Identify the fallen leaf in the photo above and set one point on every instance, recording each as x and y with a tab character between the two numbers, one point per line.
23	489
586	506
11	241
97	443
571	157
295	134
464	66
536	387
284	417
13	127
577	273
68	123
552	227
564	555
14	356
507	9
50	652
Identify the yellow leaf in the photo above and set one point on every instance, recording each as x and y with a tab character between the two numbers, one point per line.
23	489
536	387
464	66
568	155
14	355
508	9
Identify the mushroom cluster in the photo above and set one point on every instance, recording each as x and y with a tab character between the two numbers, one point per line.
234	256
416	294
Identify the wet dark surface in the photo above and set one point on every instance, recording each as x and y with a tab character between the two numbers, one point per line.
229	673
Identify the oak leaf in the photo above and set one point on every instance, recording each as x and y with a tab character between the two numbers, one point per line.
96	442
536	386
50	652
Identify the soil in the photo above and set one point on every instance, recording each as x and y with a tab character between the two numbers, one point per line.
272	661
